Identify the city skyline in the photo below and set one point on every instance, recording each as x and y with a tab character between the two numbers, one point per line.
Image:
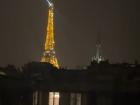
23	30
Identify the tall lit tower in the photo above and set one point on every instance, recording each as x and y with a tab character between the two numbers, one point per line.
98	58
49	51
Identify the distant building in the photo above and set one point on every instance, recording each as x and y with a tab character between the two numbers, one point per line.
98	57
100	84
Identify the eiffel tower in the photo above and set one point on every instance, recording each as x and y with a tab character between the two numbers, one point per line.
50	57
49	51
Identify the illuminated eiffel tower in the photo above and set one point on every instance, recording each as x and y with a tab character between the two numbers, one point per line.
49	51
48	56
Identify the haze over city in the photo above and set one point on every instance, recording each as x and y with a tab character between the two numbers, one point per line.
77	23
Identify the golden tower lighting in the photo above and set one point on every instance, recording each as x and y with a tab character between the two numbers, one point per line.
49	51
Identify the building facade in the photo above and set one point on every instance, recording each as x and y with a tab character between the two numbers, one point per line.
99	84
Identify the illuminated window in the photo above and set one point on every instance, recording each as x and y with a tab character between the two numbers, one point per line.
54	98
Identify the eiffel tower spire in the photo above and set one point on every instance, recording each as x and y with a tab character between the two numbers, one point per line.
49	51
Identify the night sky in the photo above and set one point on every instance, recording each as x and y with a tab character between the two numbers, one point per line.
77	23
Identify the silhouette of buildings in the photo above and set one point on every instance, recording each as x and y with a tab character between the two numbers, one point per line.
100	84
